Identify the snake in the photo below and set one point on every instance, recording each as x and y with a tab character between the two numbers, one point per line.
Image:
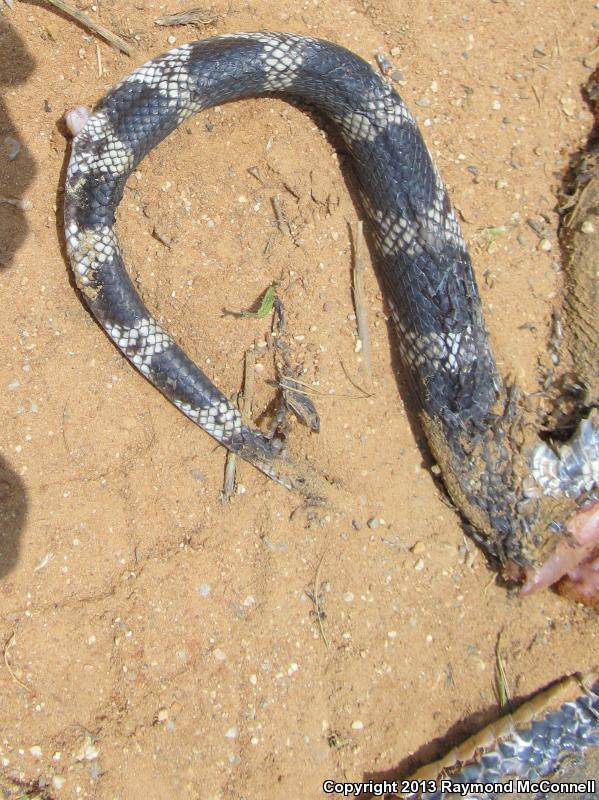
529	498
531	752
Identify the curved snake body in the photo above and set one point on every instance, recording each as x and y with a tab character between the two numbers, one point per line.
518	493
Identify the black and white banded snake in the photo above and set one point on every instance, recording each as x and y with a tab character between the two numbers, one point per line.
532	506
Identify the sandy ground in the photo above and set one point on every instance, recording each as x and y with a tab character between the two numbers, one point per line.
158	643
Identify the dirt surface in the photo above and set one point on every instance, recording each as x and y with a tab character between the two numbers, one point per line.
158	643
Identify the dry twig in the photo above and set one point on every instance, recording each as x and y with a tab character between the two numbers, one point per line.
244	401
195	16
92	25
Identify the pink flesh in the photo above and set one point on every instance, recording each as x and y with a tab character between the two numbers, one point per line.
582	584
77	118
577	561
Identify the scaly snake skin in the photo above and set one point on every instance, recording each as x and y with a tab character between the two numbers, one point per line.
516	492
471	421
543	739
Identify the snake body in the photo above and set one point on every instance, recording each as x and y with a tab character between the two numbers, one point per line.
470	418
542	740
516	491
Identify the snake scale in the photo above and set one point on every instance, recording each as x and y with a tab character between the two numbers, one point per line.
530	503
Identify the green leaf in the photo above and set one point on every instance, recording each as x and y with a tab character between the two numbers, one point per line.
266	304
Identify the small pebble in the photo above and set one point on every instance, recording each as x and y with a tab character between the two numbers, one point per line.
537	226
231	733
385	65
348	597
162	715
419	548
423	102
219	655
586	227
171	39
95	771
356	524
495	105
36	751
58	782
545	245
419	565
373	523
87	752
11	147
357	725
568	106
204	589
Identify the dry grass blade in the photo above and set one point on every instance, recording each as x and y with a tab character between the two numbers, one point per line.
500	677
230	477
360	297
99	60
9	668
244	400
290	383
315	597
248	386
195	16
354	383
91	25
